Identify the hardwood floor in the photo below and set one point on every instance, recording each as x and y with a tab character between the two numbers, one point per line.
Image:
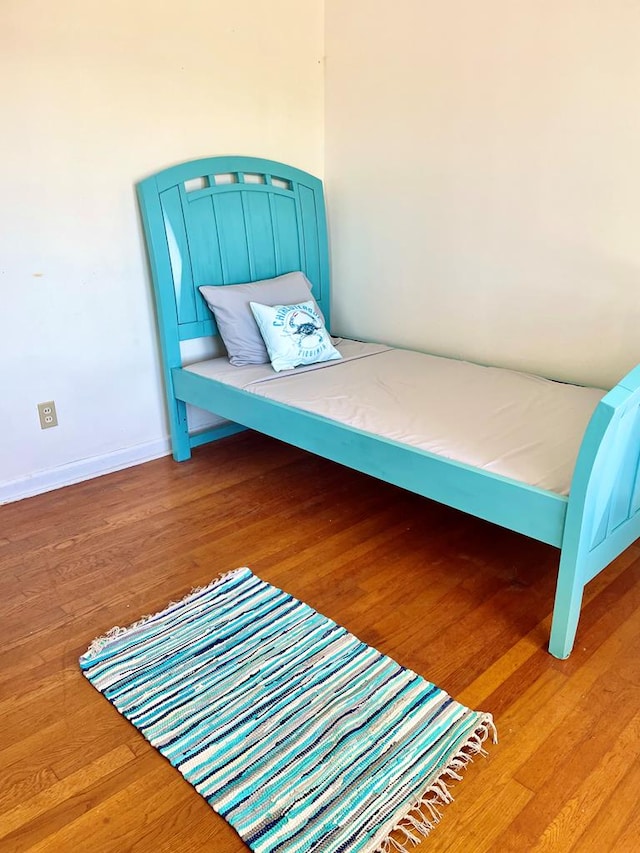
462	602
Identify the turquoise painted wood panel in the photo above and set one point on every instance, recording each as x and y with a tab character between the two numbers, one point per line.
204	246
179	257
234	251
613	468
310	239
260	234
635	500
287	231
629	468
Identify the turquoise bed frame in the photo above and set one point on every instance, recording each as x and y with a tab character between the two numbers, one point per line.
228	220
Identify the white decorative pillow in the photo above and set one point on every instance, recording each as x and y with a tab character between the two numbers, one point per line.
293	334
229	305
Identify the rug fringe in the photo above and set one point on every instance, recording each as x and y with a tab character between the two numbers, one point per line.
425	813
117	632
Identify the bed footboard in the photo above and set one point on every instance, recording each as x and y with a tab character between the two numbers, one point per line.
603	515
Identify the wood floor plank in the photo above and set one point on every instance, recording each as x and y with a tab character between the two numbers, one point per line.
615	814
35	818
578	724
471	825
568	825
583	734
20	783
626	841
460	601
103	813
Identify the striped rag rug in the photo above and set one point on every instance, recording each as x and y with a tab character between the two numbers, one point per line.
297	733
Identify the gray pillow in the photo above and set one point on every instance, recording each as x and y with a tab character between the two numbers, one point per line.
236	324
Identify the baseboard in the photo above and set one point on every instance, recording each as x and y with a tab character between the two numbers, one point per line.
83	469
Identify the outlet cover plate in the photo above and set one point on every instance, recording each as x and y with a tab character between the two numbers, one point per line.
47	414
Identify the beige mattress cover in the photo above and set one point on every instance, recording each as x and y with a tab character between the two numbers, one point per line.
515	424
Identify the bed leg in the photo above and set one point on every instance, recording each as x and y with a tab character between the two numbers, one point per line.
180	444
566	611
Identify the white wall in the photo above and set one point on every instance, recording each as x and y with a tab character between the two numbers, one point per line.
95	96
483	177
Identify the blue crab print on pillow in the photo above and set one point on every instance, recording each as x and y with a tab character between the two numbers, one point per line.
293	335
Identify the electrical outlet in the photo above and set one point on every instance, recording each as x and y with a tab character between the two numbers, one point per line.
47	415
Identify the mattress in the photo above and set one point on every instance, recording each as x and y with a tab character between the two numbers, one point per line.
514	424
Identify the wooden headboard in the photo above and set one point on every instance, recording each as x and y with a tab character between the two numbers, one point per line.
228	220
